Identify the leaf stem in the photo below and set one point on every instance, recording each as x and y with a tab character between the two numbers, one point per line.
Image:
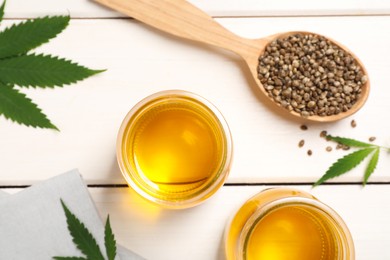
384	148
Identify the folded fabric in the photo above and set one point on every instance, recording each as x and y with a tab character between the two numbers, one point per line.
33	223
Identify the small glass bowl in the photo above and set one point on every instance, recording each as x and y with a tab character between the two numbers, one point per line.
248	218
178	188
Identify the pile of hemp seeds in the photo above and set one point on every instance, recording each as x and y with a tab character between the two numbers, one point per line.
310	75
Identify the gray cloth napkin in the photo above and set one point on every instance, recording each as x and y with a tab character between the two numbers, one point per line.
33	223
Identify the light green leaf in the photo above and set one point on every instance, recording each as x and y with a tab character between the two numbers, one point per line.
345	164
25	36
69	258
2	11
42	71
349	142
109	240
18	108
82	238
371	166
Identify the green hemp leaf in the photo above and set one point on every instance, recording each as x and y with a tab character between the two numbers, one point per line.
19	68
17	107
84	240
109	240
350	161
371	165
2	11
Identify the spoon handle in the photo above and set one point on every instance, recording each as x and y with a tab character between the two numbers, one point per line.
180	18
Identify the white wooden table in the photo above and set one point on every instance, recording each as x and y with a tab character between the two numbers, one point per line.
140	61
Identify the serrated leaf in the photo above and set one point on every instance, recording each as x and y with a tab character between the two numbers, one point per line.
42	71
345	164
18	108
69	258
82	238
349	142
25	36
109	240
2	11
371	166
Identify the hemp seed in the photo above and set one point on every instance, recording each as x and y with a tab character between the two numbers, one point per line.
304	127
323	134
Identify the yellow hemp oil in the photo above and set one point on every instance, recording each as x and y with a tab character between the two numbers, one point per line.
288	224
293	233
173	148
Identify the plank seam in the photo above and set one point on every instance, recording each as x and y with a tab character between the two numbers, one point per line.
226	16
226	184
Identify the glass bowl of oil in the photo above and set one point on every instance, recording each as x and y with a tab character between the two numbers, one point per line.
285	223
174	148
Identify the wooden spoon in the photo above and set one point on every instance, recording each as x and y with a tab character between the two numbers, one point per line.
180	18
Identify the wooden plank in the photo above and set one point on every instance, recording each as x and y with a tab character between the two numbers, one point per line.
142	61
89	9
197	233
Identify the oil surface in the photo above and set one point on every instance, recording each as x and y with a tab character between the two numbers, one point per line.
176	147
290	233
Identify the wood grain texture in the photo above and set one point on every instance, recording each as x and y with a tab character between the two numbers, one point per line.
182	19
197	233
88	9
141	61
265	144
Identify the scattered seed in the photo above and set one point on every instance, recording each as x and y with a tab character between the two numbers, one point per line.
372	139
328	149
323	134
353	123
304	127
309	152
345	147
301	143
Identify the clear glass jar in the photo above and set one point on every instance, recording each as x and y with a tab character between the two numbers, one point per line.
174	148
286	223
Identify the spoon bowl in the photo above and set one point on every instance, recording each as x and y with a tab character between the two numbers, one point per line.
252	60
182	19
